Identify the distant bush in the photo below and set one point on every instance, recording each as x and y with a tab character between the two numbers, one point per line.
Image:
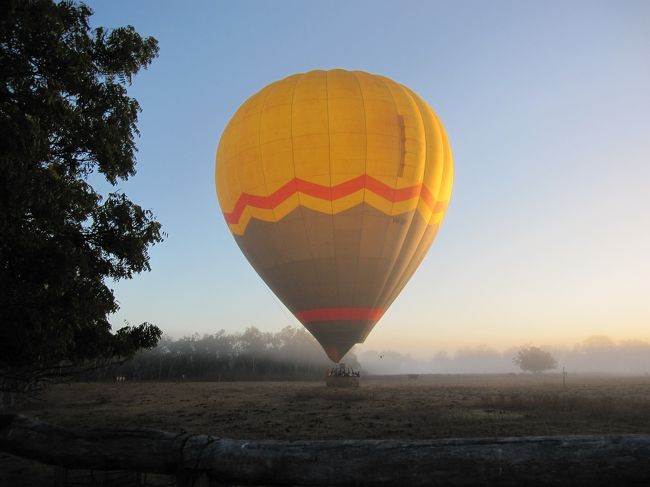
533	359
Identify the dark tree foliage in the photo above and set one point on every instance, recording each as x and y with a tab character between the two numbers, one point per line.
64	115
533	359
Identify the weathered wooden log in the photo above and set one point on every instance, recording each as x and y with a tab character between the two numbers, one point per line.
142	450
567	460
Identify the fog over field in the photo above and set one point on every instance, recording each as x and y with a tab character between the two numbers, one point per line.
596	354
293	354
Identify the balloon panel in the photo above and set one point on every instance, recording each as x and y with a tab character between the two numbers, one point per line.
336	273
334	184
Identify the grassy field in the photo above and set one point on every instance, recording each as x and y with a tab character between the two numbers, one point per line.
429	406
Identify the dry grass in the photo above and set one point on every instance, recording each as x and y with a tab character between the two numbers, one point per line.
389	407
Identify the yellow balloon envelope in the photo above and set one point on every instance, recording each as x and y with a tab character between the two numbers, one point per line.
334	184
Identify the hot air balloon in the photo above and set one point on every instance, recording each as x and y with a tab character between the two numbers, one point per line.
334	184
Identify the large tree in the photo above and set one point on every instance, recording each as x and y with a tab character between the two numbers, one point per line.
64	116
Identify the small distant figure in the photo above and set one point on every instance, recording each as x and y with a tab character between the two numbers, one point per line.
120	378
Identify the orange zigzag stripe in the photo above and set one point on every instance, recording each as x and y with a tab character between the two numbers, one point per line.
333	193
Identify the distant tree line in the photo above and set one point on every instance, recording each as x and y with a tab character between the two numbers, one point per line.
293	354
290	354
596	354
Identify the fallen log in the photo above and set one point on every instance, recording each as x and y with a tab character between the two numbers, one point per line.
567	460
142	450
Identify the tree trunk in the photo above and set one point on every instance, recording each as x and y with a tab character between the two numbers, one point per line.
569	460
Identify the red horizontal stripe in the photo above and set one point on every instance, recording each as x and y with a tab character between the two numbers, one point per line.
331	194
338	314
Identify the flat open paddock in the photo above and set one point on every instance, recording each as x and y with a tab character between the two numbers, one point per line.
428	406
383	407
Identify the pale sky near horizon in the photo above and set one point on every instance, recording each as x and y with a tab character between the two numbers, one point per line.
547	107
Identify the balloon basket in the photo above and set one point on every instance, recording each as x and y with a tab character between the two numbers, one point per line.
342	376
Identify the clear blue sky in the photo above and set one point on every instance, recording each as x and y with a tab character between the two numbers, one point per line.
547	106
